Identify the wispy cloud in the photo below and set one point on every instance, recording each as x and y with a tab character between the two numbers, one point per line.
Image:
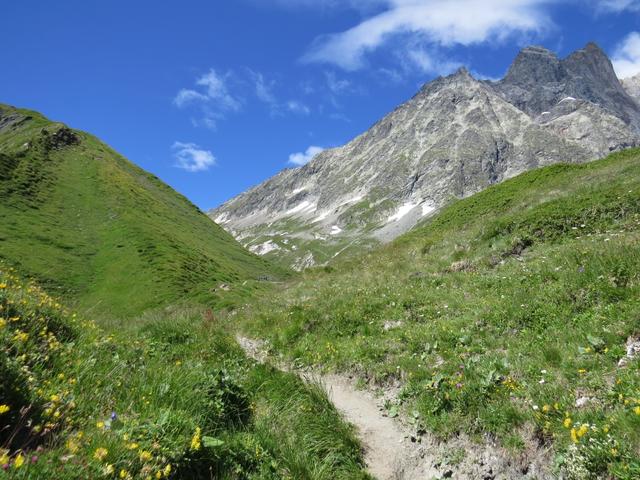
300	108
192	158
302	158
216	95
212	96
438	23
428	62
618	5
263	88
626	57
337	85
218	91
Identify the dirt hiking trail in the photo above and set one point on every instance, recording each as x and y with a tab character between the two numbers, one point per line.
391	452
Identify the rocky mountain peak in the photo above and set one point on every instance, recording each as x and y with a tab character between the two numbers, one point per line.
538	80
456	136
534	65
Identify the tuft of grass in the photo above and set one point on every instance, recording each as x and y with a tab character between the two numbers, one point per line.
500	313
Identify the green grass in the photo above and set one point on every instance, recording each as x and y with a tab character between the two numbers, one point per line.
166	395
95	229
496	315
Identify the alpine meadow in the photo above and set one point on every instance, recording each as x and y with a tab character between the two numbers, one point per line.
443	281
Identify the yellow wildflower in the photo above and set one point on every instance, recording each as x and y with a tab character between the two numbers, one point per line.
21	336
55	398
19	461
637	410
584	428
546	408
582	371
4	457
100	453
567	422
195	440
72	445
145	456
108	469
3	286
167	470
3	322
614	452
133	446
4	409
100	425
123	473
158	474
574	435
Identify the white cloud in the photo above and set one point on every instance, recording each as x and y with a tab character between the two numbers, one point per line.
626	58
218	91
212	97
297	107
618	5
192	158
186	96
263	88
427	62
440	23
335	84
302	158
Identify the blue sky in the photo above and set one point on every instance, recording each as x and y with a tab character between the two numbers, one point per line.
216	96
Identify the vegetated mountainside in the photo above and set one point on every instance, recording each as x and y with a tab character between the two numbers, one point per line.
454	138
93	227
510	316
167	396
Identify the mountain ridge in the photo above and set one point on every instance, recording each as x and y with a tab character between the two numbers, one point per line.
454	137
88	224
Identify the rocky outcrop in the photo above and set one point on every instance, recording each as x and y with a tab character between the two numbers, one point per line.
538	80
455	137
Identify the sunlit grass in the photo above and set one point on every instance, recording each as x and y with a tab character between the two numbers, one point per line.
509	309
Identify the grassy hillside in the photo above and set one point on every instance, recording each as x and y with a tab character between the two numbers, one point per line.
93	227
166	396
508	313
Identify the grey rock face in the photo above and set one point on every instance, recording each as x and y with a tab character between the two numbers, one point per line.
455	137
538	80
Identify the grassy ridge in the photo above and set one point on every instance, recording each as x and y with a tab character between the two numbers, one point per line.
166	396
507	312
93	227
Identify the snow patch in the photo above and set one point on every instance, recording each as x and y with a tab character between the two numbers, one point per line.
321	217
264	248
352	200
335	230
567	99
427	208
402	211
304	207
222	218
298	190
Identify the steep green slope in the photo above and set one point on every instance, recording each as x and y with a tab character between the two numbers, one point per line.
509	314
167	396
91	226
